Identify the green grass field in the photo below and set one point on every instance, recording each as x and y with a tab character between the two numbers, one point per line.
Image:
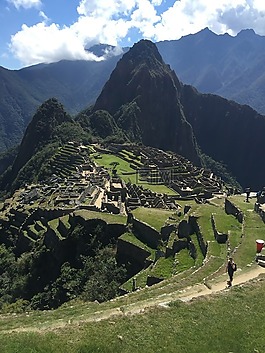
155	217
232	321
128	174
107	217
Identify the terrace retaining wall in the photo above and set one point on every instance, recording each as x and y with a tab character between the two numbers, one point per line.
146	233
230	208
221	238
127	250
196	228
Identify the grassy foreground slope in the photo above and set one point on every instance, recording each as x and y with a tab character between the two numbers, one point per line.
230	321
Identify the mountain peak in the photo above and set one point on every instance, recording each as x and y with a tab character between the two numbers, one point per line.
138	67
144	51
248	32
48	116
207	31
142	95
145	46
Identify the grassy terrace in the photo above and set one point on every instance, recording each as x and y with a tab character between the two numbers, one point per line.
158	188
127	173
108	218
163	268
253	228
122	167
215	324
156	218
130	238
181	328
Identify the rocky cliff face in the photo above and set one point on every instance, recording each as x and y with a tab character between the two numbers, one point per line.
142	95
228	132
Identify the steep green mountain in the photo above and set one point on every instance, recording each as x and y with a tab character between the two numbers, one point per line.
50	127
232	67
147	101
144	102
76	84
101	125
142	95
17	105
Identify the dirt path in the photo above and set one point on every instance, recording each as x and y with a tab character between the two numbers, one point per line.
239	278
163	300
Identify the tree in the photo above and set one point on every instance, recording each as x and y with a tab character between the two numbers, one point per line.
103	275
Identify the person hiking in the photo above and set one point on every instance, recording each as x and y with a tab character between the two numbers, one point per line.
231	268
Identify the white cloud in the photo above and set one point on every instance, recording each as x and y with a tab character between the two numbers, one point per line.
188	16
43	16
144	18
27	4
91	30
41	43
106	9
109	22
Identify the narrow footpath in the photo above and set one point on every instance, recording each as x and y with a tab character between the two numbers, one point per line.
162	300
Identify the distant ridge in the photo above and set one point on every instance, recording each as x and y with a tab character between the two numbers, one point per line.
233	67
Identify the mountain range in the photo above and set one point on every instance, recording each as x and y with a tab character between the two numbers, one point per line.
232	67
144	102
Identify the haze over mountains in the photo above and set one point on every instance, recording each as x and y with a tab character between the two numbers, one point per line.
233	67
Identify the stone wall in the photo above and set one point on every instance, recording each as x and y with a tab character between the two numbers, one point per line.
178	245
192	249
221	238
230	208
146	233
48	215
196	229
62	229
112	230
260	209
51	239
151	280
132	252
167	230
184	229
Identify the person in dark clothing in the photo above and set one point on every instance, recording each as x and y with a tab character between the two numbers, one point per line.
231	268
247	194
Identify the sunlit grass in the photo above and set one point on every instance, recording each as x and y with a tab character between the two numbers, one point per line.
221	323
155	217
131	238
107	217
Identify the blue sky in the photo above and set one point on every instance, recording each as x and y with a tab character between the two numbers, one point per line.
34	31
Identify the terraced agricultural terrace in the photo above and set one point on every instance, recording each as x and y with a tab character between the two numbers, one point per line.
170	223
